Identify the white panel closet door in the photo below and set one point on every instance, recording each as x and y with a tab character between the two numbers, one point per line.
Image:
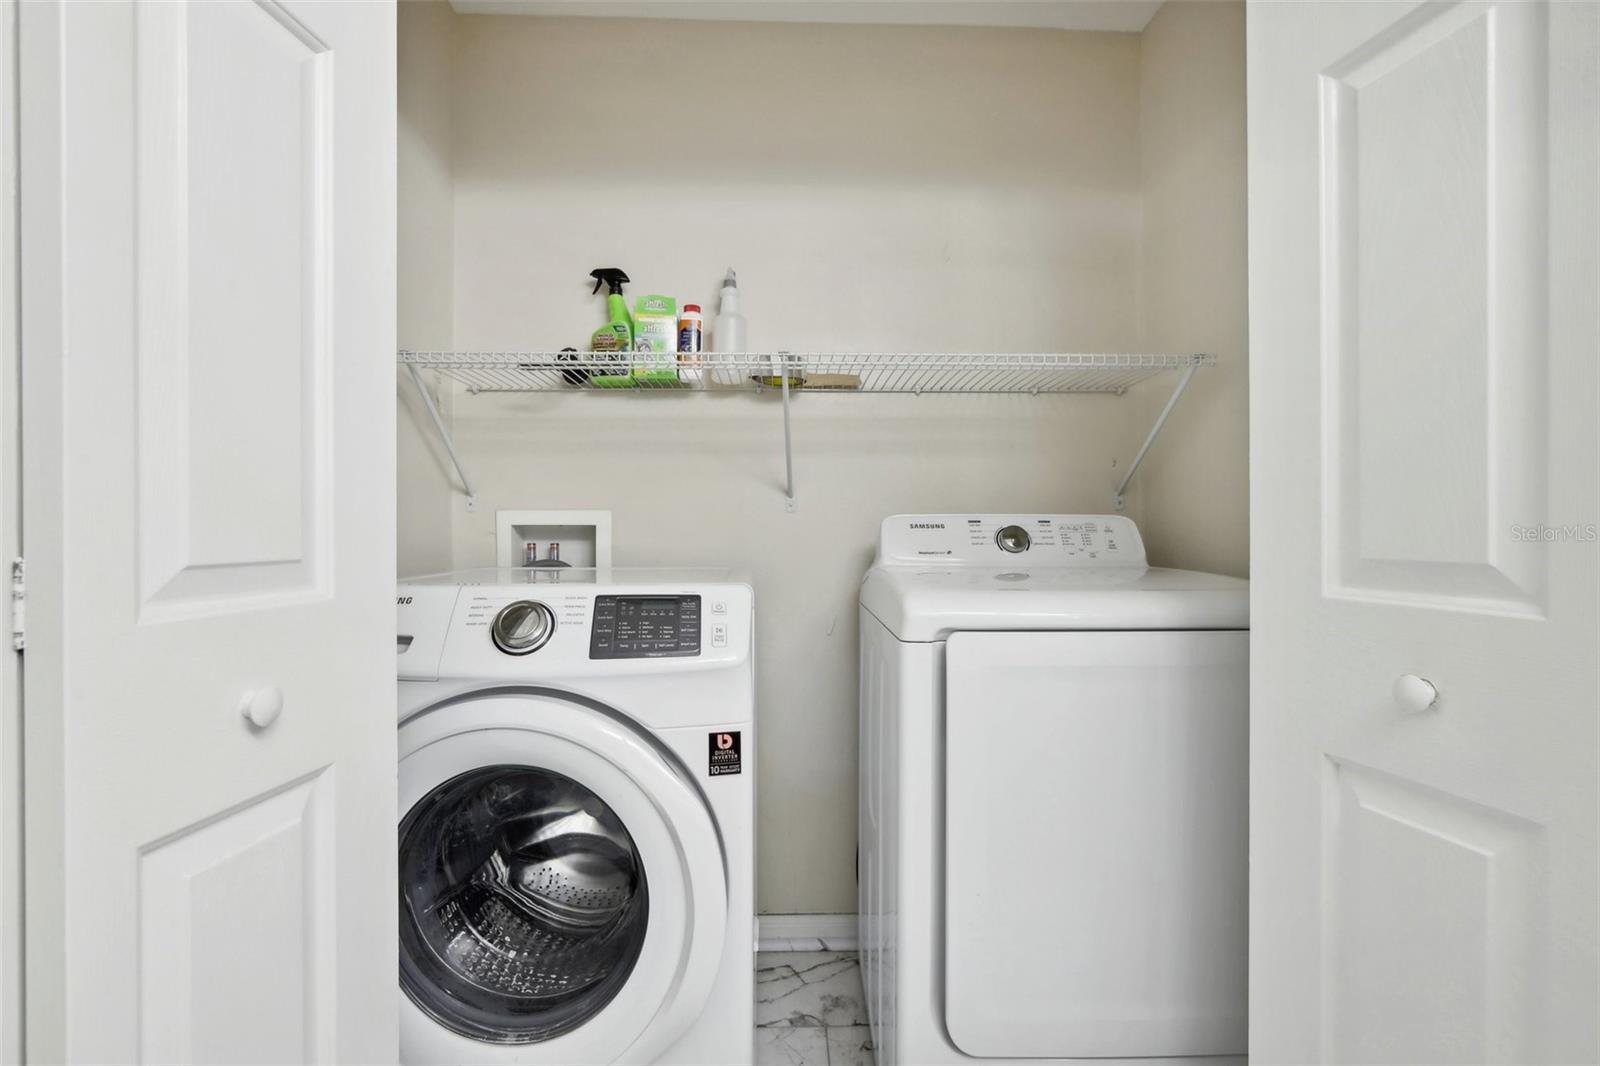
208	197
1424	183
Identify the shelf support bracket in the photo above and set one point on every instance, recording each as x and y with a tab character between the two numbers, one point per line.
444	435
789	503
1155	431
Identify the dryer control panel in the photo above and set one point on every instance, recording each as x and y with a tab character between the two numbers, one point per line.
1006	540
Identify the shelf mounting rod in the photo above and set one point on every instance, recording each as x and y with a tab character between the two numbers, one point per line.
1155	431
789	503
444	435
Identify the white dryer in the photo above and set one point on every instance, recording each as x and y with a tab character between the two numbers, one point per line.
576	798
1053	796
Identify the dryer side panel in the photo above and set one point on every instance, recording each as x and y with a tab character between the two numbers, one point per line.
876	851
1096	808
899	839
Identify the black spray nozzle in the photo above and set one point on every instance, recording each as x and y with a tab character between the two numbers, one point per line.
609	276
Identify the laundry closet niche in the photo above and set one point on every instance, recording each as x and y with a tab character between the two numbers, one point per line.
878	188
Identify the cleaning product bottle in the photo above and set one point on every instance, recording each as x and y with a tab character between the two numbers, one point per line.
727	332
616	336
691	330
691	343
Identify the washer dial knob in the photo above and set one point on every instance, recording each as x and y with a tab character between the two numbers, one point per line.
1013	539
523	627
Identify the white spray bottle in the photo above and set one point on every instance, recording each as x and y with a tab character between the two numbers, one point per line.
727	332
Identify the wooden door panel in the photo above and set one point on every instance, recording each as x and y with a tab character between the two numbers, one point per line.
1431	910
1433	255
209	344
233	106
1423	214
235	930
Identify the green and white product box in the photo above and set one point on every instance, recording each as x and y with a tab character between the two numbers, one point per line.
655	339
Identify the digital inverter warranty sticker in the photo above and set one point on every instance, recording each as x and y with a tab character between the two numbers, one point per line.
726	757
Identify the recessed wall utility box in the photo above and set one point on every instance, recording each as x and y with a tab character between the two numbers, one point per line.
584	536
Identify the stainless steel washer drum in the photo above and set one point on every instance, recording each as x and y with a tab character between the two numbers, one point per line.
523	904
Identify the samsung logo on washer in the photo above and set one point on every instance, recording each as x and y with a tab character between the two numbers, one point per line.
927	525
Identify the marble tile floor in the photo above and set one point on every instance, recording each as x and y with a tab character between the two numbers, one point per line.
810	1010
808	943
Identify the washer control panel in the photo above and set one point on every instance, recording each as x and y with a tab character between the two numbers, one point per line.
644	627
522	625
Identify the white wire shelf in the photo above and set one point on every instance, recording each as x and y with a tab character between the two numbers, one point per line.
871	372
789	373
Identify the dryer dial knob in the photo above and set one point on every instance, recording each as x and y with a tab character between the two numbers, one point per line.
1013	539
523	627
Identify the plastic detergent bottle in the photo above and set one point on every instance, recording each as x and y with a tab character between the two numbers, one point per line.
691	330
727	332
691	342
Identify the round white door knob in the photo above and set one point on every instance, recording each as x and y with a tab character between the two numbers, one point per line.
262	706
1414	693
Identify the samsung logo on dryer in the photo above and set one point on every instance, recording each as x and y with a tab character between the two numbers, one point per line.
927	525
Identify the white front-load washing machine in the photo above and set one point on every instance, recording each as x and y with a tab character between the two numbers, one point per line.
1054	797
576	847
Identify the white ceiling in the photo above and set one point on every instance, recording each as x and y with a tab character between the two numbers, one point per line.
1129	16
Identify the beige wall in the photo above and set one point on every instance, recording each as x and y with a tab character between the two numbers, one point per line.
878	189
1193	492
426	286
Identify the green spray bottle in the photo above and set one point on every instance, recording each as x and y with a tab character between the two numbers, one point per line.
615	338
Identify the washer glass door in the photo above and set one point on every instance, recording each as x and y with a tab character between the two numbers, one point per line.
524	904
563	893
